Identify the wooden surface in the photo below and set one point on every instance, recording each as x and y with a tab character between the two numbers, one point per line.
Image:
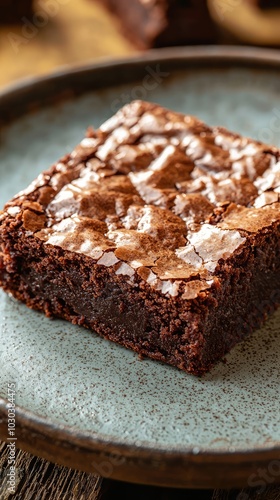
38	479
79	32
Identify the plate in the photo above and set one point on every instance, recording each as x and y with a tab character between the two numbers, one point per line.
85	402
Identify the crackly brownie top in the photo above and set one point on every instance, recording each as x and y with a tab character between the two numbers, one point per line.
157	194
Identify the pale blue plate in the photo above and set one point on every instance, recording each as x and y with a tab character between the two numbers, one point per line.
81	398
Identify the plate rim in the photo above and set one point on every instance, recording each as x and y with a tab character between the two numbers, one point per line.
142	465
209	55
34	427
65	430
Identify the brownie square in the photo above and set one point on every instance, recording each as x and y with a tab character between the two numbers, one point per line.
157	232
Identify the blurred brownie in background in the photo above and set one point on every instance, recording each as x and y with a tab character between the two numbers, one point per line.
12	11
265	4
159	23
269	4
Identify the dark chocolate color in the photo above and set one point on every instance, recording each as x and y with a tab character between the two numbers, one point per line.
12	11
269	4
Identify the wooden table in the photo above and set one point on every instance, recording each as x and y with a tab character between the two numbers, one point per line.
79	32
38	479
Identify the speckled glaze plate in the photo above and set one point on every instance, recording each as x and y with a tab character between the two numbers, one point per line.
88	403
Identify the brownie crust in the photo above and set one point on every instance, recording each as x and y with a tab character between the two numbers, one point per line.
158	232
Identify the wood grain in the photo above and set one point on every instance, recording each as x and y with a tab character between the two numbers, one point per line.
40	479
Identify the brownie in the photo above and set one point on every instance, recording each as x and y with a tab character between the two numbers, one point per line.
157	232
268	4
12	11
159	23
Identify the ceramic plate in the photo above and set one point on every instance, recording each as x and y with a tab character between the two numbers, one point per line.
86	402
